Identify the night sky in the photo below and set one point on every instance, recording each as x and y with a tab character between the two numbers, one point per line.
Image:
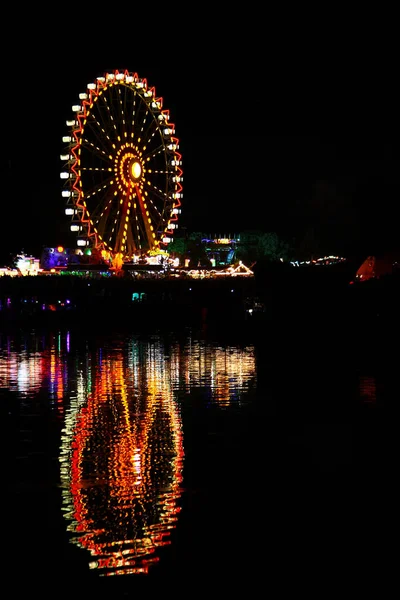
274	136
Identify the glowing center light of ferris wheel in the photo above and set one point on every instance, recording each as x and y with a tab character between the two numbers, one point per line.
136	170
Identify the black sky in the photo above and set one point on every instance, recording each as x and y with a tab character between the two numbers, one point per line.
274	135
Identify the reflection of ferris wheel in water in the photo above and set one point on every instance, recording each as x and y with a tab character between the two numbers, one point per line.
123	177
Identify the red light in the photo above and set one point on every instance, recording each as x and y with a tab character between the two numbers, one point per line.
60	249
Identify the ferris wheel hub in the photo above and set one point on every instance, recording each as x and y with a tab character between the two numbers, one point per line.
135	170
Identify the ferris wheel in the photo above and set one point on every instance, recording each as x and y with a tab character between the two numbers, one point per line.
122	177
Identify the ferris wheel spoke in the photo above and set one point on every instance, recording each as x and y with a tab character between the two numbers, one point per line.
149	128
146	216
136	237
155	211
156	197
131	110
96	191
162	172
141	116
102	208
97	134
108	229
119	113
155	192
107	122
123	114
101	219
94	154
154	153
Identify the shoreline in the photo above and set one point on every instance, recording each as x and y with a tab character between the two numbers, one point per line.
273	298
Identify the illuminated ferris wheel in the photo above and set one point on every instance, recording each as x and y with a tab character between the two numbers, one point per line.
122	177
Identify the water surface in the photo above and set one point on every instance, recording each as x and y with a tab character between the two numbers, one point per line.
143	459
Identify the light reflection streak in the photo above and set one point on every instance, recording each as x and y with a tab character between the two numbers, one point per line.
121	454
121	463
368	389
227	371
26	369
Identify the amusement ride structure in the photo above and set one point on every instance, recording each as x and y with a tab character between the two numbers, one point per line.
122	172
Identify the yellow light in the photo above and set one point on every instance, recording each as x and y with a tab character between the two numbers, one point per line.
136	170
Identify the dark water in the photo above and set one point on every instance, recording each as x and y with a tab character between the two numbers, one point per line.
177	462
